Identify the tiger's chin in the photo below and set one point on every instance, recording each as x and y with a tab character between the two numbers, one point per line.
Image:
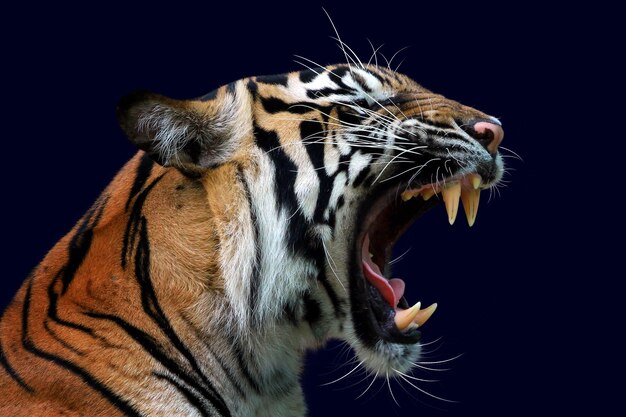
386	328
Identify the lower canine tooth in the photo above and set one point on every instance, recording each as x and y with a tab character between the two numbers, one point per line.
405	317
451	196
423	315
470	204
476	180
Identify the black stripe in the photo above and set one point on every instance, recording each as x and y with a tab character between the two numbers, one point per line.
53	313
278	79
252	87
332	220
142	173
52	333
155	349
275	105
81	243
312	310
227	371
369	181
92	382
79	246
325	92
286	171
361	176
151	306
349	117
255	277
334	299
340	202
191	397
308	75
133	220
311	132
243	365
290	311
4	363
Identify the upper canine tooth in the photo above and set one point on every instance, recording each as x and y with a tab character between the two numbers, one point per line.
424	315
451	196
404	318
470	204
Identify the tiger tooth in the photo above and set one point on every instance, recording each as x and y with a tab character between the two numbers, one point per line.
470	200
451	196
404	318
476	180
427	193
409	194
422	316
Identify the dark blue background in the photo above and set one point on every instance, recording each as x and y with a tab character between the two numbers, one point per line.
519	293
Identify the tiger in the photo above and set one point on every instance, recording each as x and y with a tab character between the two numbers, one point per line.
254	224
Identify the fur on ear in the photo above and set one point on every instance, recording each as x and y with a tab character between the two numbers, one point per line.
191	135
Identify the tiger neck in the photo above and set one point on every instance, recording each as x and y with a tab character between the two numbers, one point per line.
181	284
201	289
212	263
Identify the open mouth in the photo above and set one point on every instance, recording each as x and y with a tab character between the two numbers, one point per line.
379	307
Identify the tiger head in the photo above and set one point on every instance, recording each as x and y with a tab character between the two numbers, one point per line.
324	169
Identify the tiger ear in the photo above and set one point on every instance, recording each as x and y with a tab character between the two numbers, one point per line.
191	135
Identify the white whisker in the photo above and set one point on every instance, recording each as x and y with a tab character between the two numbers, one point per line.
339	38
514	153
332	265
374	51
415	378
368	387
399	258
394	55
442	361
424	391
344	376
391	391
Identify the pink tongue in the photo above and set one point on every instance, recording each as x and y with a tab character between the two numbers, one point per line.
391	290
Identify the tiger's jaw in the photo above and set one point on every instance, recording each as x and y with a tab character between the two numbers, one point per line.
387	329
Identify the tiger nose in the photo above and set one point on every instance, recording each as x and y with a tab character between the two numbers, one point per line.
488	134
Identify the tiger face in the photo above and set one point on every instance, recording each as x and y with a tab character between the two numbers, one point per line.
328	167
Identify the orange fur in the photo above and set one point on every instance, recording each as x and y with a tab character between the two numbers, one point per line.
180	242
